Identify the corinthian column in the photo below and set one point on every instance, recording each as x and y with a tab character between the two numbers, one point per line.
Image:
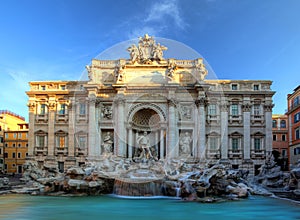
246	120
120	128
51	134
224	130
92	127
171	146
31	136
71	142
268	118
200	102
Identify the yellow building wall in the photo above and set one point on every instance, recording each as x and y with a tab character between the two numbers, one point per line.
15	150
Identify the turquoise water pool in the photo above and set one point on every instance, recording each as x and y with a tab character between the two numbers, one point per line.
107	207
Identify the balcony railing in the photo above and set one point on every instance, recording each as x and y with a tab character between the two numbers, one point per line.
213	119
257	119
80	151
235	119
61	117
41	150
61	150
235	154
41	117
258	154
213	154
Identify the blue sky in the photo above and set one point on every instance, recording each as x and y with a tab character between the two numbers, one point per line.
55	39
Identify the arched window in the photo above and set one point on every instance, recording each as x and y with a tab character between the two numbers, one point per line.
274	124
283	124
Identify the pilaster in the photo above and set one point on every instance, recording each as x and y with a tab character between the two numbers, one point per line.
200	103
51	122
268	129
92	127
224	130
71	143
246	124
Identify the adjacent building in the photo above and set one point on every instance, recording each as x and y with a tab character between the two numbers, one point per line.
294	125
15	148
185	115
280	140
8	121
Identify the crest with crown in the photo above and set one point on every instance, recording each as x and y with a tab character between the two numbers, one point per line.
146	51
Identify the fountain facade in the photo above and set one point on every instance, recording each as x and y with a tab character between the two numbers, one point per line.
150	107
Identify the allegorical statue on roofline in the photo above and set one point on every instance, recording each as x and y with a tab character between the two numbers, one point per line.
147	51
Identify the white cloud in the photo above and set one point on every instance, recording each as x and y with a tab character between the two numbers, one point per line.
160	10
144	30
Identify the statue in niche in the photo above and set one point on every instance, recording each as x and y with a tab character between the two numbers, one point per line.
185	144
107	112
107	143
144	144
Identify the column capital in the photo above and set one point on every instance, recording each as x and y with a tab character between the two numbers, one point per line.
172	102
224	107
201	101
31	106
246	107
52	106
268	107
119	100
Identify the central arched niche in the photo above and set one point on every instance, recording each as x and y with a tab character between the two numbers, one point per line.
146	120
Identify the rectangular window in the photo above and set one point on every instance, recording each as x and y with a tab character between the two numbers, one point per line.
296	101
274	124
6	135
0	150
234	87
43	109
297	117
284	152
212	109
60	141
297	133
82	142
274	137
13	155
63	87
283	137
40	141
235	109
62	109
82	109
15	135
1	139
257	146
213	143
256	109
43	87
235	144
19	135
256	87
19	155
6	155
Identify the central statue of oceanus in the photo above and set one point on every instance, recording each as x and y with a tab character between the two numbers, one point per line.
146	51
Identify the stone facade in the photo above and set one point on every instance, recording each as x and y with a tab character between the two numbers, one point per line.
183	114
